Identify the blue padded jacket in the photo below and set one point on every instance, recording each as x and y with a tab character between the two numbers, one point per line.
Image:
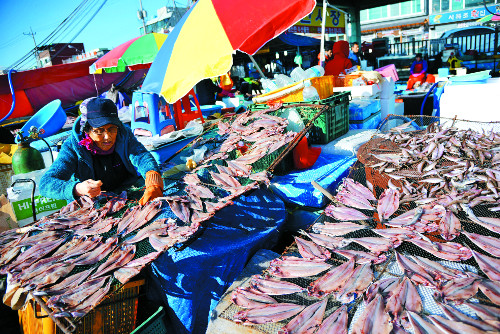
74	163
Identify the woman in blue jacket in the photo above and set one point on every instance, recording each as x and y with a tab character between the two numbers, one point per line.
101	154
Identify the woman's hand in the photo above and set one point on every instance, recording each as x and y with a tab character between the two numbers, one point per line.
89	188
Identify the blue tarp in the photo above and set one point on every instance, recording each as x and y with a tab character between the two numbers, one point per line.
300	220
193	280
296	188
299	40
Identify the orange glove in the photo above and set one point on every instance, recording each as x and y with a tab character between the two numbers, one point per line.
154	187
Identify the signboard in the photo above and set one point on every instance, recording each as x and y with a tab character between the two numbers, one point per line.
461	15
335	22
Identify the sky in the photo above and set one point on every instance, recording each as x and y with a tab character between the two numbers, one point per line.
114	24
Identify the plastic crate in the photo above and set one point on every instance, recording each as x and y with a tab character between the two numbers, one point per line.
153	325
330	125
324	85
345	80
116	314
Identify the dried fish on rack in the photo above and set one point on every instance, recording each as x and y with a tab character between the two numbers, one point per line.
290	266
246	298
335	323
374	319
306	321
268	313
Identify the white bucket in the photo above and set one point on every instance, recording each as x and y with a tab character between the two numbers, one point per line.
461	71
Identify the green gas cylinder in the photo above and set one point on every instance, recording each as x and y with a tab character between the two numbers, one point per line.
26	159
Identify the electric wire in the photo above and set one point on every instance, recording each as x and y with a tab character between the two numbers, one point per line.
50	37
63	26
80	31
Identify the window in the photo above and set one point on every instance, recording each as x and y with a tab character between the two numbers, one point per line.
477	3
377	13
457	4
406	8
436	6
363	15
394	9
417	6
445	5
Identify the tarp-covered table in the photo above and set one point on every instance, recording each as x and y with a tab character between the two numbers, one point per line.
192	281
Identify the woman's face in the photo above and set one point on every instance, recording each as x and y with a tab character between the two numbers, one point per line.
105	136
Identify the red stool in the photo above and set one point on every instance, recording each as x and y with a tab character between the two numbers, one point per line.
182	118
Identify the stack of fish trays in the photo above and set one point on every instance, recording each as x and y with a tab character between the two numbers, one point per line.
333	123
116	314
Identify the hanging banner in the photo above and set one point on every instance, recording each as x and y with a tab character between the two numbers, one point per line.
461	15
335	22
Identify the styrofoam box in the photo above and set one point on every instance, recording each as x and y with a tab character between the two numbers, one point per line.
361	91
399	109
387	105
388	86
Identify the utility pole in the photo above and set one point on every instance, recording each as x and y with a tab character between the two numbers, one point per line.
141	15
37	57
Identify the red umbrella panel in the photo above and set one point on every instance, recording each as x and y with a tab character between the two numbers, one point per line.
202	43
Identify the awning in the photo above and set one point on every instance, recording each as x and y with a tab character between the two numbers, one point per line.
298	40
393	25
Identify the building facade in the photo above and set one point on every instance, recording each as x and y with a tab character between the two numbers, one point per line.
399	22
446	15
164	21
57	53
422	19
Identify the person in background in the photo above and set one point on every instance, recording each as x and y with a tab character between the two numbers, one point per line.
340	61
206	91
418	73
328	54
354	54
226	84
247	86
101	154
454	63
115	95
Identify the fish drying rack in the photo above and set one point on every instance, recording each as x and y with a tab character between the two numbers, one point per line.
360	173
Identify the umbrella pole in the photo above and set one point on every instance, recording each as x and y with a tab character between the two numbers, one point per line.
257	67
322	47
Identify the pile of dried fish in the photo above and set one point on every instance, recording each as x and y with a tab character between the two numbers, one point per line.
445	166
392	304
65	257
263	133
73	256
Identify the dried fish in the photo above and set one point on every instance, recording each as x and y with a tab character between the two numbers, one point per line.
374	319
306	321
335	323
344	214
247	299
388	203
268	313
272	286
491	289
290	266
310	250
337	229
332	280
490	245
